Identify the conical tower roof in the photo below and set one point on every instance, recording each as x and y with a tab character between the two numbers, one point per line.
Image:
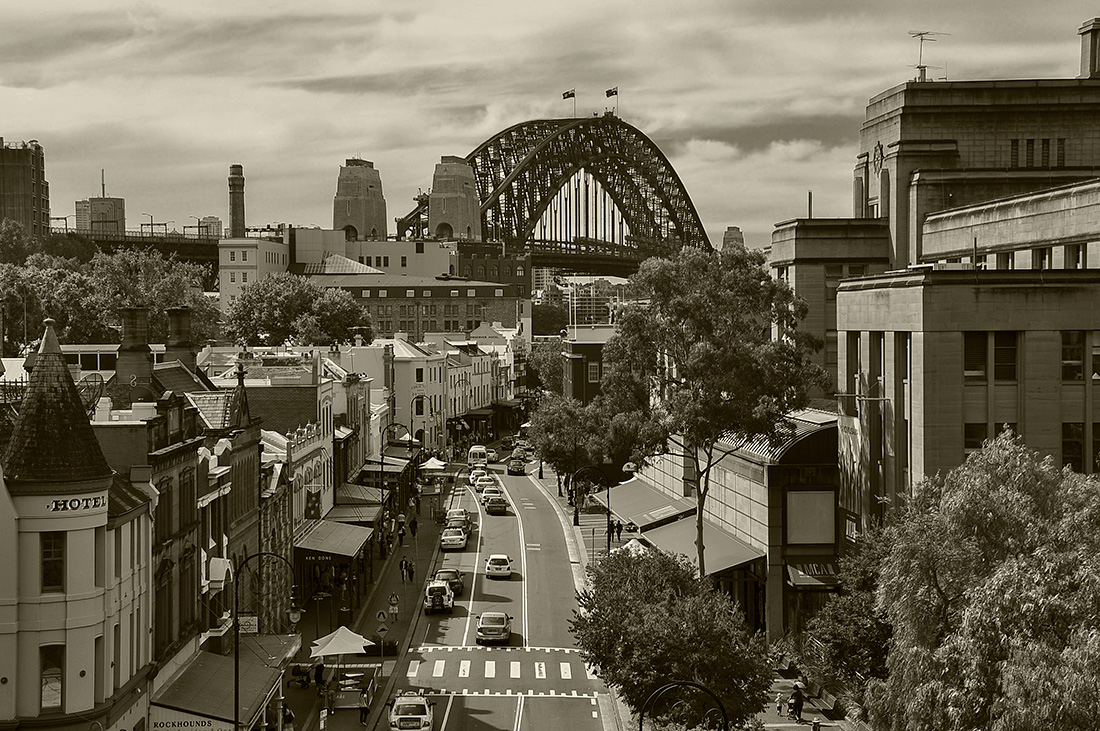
52	441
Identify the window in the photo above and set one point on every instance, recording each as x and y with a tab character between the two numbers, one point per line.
1044	152
385	261
593	372
1073	355
1014	154
974	356
232	255
404	261
378	261
1004	356
244	256
232	276
454	292
366	293
1040	258
419	375
1061	152
410	293
471	293
1073	256
856	270
1073	446
383	292
519	271
420	406
52	659
1006	260
419	247
244	277
973	436
1030	154
498	293
53	561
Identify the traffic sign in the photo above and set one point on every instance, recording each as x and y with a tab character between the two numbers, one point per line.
381	615
382	630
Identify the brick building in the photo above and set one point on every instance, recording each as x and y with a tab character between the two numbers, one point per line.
24	192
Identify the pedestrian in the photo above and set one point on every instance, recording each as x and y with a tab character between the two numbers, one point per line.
411	569
404	568
618	530
779	704
288	718
798	699
401	535
330	698
401	519
417	498
412	527
364	707
394	601
319	676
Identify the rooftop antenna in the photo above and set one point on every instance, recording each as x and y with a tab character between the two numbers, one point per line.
102	183
922	36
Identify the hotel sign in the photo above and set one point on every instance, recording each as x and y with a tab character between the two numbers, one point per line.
76	504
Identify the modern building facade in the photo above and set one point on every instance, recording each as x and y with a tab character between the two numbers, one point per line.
101	215
24	192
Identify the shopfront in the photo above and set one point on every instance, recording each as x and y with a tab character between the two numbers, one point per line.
333	566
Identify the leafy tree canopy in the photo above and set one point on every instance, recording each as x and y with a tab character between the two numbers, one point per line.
991	582
558	429
646	619
285	307
545	363
548	319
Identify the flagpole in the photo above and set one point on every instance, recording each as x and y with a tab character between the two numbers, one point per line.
574	105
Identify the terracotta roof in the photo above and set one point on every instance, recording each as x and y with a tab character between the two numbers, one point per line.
52	440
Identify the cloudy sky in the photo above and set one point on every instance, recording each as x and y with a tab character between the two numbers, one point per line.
754	102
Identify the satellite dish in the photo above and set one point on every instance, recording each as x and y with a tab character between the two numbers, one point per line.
90	388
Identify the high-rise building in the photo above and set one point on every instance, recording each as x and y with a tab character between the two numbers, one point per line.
24	192
359	208
99	215
210	226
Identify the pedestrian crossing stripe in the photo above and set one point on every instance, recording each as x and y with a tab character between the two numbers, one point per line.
468	668
479	648
534	546
528	694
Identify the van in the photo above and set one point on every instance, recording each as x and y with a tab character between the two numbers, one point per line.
477	456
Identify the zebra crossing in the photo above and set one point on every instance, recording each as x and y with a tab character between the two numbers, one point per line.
505	665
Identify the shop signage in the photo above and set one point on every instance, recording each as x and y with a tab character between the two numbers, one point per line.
76	504
171	719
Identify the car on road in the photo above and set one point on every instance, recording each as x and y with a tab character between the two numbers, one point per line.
454	578
493	627
491	454
496	506
491	491
483	482
410	710
452	538
517	466
476	457
474	474
461	514
508	441
438	597
498	565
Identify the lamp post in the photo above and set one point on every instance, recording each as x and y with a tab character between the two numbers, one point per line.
294	614
576	492
382	451
681	684
150	224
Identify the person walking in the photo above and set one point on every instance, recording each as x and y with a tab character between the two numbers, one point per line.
394	601
779	703
412	527
319	676
401	535
411	568
364	707
798	701
618	530
330	698
404	566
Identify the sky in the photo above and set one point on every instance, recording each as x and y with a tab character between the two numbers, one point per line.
754	102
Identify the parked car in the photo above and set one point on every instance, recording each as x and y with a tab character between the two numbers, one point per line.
438	597
491	454
496	506
508	441
454	578
517	466
491	491
484	482
498	564
452	538
410	710
494	627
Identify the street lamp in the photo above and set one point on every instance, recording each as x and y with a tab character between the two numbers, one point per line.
150	224
294	614
681	684
576	492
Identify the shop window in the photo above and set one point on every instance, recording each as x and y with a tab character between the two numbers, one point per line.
1073	446
975	346
1004	356
1073	256
1073	355
53	561
52	659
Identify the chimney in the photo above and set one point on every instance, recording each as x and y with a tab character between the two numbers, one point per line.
236	201
134	367
1090	49
179	346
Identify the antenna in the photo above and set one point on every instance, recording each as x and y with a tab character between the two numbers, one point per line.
922	36
102	183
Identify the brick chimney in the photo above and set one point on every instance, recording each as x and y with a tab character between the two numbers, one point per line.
236	201
134	368
179	345
1090	49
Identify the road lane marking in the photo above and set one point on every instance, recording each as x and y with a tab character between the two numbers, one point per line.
515	669
540	670
534	546
519	715
490	668
464	669
566	671
414	668
437	671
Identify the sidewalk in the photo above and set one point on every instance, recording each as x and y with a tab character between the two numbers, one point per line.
422	550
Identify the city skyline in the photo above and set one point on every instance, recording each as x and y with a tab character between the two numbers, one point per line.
754	103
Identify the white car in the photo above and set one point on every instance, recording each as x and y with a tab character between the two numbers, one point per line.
490	491
483	482
475	474
491	455
410	710
498	565
494	627
452	538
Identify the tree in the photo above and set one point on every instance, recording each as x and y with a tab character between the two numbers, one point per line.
335	317
15	242
991	586
546	362
557	431
548	319
646	618
267	312
702	342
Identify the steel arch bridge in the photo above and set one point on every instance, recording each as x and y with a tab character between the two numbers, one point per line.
588	194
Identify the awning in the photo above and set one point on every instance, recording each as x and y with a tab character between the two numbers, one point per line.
342	432
354	513
636	501
508	403
812	575
337	539
479	414
204	689
721	550
350	493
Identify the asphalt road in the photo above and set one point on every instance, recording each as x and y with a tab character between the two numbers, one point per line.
538	680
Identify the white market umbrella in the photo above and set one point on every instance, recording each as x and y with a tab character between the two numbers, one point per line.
632	546
341	642
433	464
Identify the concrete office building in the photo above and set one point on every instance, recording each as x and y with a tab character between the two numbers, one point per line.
100	215
24	192
359	207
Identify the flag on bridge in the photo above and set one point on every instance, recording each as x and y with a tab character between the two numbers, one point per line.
613	91
572	93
